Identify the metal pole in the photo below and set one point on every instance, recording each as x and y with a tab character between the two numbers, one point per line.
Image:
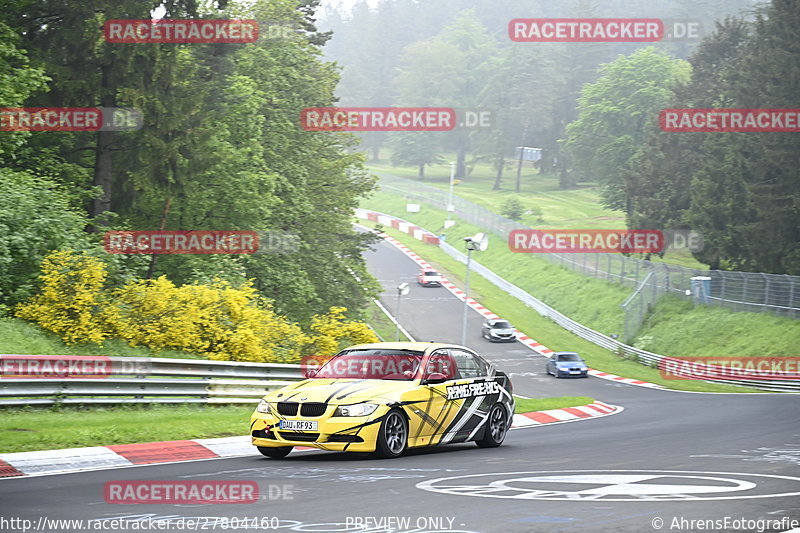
397	317
521	152
466	298
450	196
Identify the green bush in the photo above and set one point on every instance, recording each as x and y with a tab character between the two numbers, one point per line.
513	208
35	219
217	319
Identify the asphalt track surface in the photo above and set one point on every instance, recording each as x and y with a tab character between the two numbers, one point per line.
668	458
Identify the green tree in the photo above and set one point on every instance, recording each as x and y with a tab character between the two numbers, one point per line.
18	80
615	114
220	148
35	218
475	50
428	77
660	179
417	148
739	189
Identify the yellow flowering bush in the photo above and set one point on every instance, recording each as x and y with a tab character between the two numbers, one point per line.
331	332
216	319
71	303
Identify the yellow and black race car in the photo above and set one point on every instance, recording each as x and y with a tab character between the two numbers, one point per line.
386	397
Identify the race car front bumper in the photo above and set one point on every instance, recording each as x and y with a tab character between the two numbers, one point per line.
335	433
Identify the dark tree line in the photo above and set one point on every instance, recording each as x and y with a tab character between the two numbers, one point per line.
220	148
593	108
742	190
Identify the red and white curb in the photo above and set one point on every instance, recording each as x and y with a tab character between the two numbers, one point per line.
26	464
122	455
524	339
567	414
620	379
421	234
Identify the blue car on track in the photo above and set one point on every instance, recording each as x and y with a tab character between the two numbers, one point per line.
567	365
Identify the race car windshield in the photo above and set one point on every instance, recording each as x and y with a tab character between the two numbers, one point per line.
502	324
393	365
569	357
431	273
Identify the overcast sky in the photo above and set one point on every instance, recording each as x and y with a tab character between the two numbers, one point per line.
347	3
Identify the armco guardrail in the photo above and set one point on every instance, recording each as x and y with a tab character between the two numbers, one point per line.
604	341
148	380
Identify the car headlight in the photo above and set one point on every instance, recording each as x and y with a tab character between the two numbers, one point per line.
264	407
359	409
584	368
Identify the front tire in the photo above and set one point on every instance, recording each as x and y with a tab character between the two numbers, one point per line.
496	428
392	436
275	453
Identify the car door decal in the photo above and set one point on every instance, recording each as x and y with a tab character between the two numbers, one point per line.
441	418
449	409
486	391
466	412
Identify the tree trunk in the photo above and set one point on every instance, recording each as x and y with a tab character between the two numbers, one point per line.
461	167
103	166
154	258
103	163
421	172
499	178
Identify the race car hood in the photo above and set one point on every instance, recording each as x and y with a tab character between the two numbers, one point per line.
501	331
341	391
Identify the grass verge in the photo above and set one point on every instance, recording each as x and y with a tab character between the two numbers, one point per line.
543	404
29	429
381	324
676	327
547	206
593	302
23	338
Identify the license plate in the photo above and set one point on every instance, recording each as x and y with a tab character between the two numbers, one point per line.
298	425
574	371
